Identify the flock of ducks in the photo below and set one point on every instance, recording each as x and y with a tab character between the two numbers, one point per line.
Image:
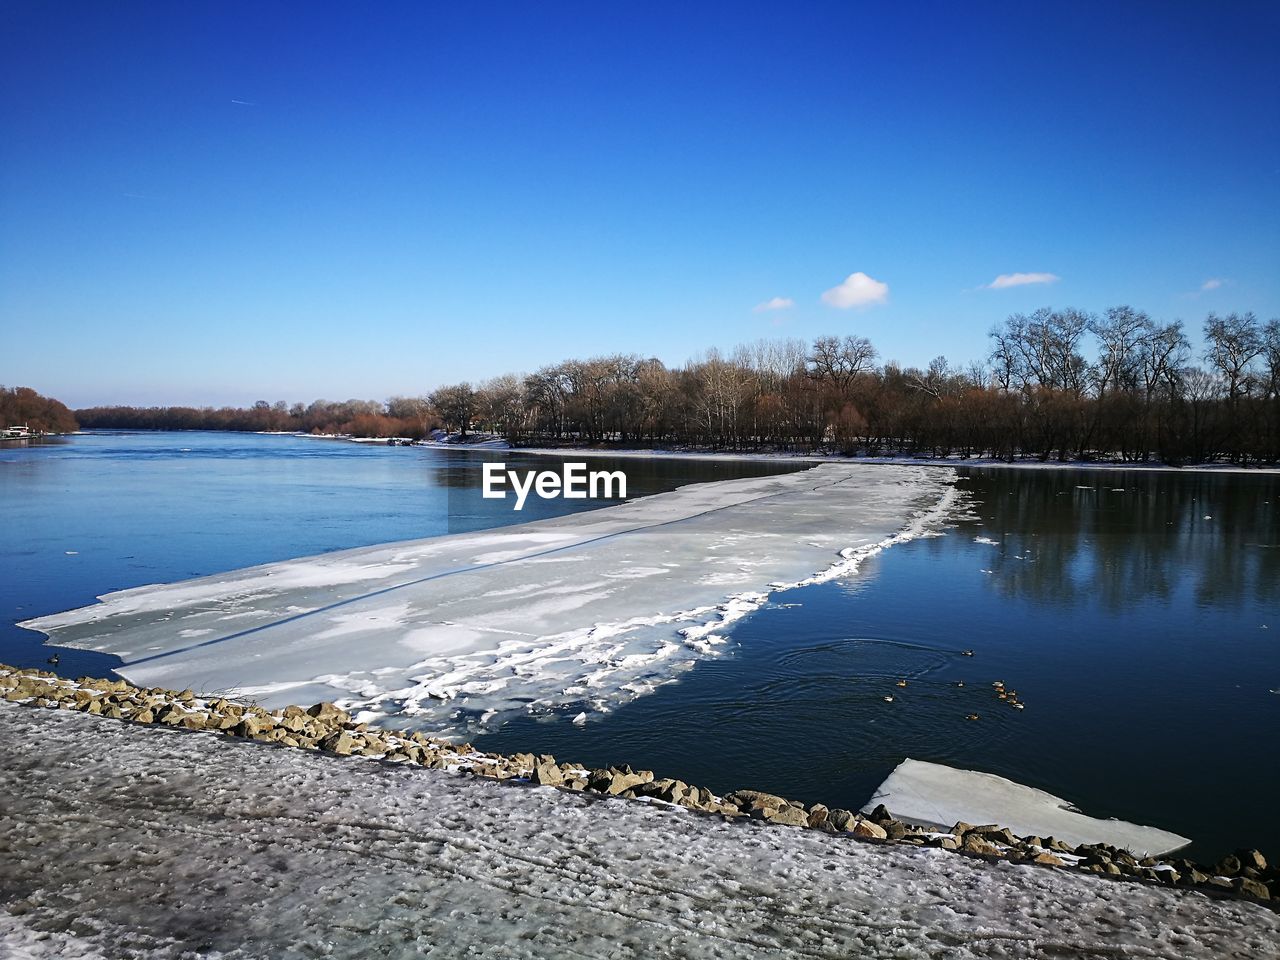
1002	693
1008	696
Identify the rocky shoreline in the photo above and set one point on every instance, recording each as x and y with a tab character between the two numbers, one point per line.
324	727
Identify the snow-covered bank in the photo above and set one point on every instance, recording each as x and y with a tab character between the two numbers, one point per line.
324	727
485	443
579	612
188	843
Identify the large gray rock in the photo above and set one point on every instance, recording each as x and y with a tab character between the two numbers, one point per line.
840	819
993	835
328	711
974	843
1251	888
894	829
666	789
341	743
615	781
249	726
755	801
622	782
789	816
868	830
548	774
1252	858
1228	866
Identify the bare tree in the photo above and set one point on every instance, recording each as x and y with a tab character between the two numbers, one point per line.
456	405
1271	358
414	410
1042	351
1165	355
499	405
839	361
1121	336
934	381
1234	343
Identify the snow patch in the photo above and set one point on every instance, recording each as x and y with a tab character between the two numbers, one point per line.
235	850
936	795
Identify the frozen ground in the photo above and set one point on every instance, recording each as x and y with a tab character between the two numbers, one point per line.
123	841
573	614
930	793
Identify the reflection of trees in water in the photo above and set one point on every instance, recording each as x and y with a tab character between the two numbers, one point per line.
1131	537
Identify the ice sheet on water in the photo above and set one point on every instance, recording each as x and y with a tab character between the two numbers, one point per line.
448	631
931	793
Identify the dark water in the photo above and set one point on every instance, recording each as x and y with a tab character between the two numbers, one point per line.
1136	614
105	511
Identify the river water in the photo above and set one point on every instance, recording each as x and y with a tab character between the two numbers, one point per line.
1136	613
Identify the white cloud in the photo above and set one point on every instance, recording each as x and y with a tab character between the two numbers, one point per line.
1213	283
857	290
1006	280
774	303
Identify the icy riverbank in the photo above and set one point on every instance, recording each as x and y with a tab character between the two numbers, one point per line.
128	840
577	613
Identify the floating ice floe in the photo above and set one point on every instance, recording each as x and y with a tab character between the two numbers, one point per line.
932	794
444	631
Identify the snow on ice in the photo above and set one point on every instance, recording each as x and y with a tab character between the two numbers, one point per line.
448	631
938	795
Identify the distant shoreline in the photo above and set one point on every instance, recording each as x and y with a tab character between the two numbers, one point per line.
639	453
985	463
497	443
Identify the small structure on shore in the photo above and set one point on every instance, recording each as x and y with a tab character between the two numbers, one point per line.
22	432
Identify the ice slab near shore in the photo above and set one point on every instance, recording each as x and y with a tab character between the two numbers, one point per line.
126	840
575	613
938	795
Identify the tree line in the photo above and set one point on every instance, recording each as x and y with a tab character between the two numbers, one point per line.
22	406
398	417
1056	384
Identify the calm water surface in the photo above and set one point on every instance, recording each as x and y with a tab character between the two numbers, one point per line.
1136	614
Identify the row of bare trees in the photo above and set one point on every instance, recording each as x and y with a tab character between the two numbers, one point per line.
22	406
358	418
1060	384
1057	384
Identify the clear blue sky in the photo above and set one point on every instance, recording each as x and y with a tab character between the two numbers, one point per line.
221	202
